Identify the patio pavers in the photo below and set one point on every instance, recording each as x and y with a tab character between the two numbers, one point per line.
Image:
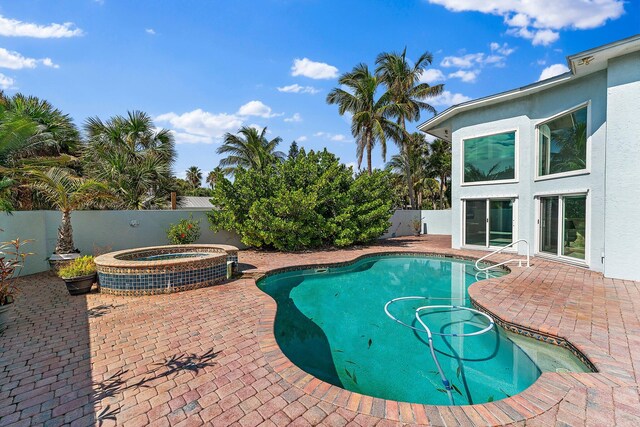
208	356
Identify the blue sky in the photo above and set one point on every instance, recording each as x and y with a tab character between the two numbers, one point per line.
204	67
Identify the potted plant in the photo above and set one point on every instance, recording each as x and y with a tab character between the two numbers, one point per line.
11	264
184	232
79	275
67	192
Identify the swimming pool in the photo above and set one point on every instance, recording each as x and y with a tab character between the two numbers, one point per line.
331	323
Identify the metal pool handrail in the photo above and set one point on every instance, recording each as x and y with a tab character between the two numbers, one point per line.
477	265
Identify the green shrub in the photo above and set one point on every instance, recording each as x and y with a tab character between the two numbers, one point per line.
308	201
184	232
82	266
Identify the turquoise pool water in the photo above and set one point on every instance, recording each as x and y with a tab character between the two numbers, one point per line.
331	323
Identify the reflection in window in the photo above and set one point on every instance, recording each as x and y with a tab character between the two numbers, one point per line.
575	214
563	143
490	158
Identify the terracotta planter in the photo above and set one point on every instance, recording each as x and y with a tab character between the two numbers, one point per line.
80	285
5	311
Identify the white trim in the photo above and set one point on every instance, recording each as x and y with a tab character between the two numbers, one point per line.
490	196
586	262
487	200
516	159
536	136
550	193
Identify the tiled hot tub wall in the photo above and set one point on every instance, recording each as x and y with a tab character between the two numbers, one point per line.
120	274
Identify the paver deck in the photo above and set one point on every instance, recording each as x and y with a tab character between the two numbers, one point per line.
208	356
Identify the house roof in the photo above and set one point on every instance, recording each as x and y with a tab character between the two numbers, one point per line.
580	64
192	202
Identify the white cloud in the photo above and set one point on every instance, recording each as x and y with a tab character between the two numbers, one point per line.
302	138
6	82
537	20
49	63
296	88
314	70
15	28
200	126
447	99
502	49
465	76
150	31
295	118
432	75
15	61
552	71
331	136
339	137
466	61
256	108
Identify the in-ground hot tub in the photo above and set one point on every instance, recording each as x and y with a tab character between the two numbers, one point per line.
164	269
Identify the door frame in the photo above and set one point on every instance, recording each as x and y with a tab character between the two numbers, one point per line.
586	262
514	222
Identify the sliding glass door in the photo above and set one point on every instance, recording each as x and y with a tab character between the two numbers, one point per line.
488	222
563	226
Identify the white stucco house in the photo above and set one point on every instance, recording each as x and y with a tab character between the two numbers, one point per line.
556	163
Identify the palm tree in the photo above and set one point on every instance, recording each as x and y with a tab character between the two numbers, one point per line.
440	165
131	156
212	177
370	121
32	133
416	156
249	149
405	90
194	177
66	191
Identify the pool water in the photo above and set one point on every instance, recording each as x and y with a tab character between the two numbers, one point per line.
331	323
162	257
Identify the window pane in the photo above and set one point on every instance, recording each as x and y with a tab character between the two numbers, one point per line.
574	231
563	143
500	222
476	222
549	225
490	158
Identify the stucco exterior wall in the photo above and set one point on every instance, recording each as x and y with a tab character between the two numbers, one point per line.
622	245
100	230
522	116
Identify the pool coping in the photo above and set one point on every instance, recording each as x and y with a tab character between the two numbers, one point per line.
547	391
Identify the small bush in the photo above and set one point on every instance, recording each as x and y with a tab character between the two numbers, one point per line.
82	266
185	232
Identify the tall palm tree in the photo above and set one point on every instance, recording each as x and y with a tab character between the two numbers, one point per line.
249	149
370	120
194	177
212	176
402	80
440	164
134	158
66	191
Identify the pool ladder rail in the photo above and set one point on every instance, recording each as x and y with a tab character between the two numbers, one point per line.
445	381
493	266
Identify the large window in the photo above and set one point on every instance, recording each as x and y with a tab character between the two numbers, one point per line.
562	143
490	158
563	225
488	222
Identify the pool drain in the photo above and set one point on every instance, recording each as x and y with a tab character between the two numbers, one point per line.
425	328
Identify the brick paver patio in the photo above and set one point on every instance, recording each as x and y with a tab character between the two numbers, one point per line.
208	356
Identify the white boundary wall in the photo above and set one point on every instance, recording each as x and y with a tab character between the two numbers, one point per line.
103	231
